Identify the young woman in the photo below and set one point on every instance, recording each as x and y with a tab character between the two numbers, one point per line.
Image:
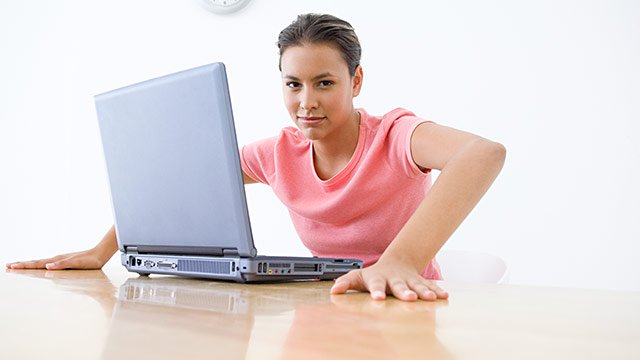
356	185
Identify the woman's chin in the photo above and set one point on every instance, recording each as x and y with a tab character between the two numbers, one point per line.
311	133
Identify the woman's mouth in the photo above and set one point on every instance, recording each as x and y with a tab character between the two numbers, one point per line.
311	120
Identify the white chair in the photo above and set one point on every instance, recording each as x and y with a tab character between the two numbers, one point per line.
472	267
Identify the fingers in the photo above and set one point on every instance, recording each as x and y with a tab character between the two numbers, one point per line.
440	293
353	281
423	291
405	290
428	290
75	262
32	264
81	260
63	262
58	265
401	291
411	289
414	289
377	287
349	281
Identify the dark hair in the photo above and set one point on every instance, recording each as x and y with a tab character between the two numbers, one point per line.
322	28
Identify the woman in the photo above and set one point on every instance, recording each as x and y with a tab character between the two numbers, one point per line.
356	185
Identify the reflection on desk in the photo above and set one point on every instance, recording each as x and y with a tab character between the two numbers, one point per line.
218	318
168	317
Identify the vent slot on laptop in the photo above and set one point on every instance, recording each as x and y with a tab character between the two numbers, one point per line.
306	267
341	266
205	266
279	265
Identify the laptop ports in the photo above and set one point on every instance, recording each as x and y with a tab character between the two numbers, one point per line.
306	267
166	265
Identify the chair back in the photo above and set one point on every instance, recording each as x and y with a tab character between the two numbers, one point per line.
472	267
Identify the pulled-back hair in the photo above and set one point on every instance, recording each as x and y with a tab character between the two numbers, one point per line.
322	28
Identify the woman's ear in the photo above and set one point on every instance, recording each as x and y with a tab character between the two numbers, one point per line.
357	81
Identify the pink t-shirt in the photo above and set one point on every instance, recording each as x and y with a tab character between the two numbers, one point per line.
358	212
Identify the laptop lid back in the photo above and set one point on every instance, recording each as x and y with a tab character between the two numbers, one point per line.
173	165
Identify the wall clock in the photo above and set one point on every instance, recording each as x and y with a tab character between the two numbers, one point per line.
224	6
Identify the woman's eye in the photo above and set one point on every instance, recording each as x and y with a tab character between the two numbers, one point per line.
293	84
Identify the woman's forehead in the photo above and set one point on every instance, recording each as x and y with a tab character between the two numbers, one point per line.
311	60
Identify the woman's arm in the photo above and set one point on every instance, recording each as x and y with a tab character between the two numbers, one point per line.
469	164
94	258
247	179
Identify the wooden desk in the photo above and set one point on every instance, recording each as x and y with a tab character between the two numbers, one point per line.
117	315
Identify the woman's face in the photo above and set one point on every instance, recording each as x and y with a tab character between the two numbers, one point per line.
318	89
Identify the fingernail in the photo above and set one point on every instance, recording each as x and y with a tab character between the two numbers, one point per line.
49	265
378	295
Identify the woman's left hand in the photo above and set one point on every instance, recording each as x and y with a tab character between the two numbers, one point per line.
390	277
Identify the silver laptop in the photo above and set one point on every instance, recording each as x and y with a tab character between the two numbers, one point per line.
176	183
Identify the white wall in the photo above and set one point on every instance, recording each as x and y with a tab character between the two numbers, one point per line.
555	81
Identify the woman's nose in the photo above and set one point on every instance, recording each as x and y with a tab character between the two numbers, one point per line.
308	99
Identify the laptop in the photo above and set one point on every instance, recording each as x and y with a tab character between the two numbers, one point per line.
176	184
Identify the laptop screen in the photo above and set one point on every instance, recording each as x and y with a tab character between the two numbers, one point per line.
173	164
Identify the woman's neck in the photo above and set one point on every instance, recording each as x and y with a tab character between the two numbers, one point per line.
330	155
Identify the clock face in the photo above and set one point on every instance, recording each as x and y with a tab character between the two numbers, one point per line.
224	6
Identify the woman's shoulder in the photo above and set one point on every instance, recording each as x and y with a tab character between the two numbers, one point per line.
288	134
387	121
291	135
287	142
397	113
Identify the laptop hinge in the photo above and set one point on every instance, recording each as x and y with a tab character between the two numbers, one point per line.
131	250
230	252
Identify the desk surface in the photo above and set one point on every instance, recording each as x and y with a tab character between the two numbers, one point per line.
117	315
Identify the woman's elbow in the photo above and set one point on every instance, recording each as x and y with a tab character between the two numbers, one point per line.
495	153
489	153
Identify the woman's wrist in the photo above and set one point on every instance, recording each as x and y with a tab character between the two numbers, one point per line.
103	253
108	246
390	256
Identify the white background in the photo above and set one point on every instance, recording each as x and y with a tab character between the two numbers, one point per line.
557	82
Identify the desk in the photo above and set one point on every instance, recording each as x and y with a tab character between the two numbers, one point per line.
118	315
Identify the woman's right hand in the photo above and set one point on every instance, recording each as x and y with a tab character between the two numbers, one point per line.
89	259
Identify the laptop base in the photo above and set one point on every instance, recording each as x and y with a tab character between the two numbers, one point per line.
238	269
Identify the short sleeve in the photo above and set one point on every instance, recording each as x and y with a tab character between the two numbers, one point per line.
257	160
401	124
